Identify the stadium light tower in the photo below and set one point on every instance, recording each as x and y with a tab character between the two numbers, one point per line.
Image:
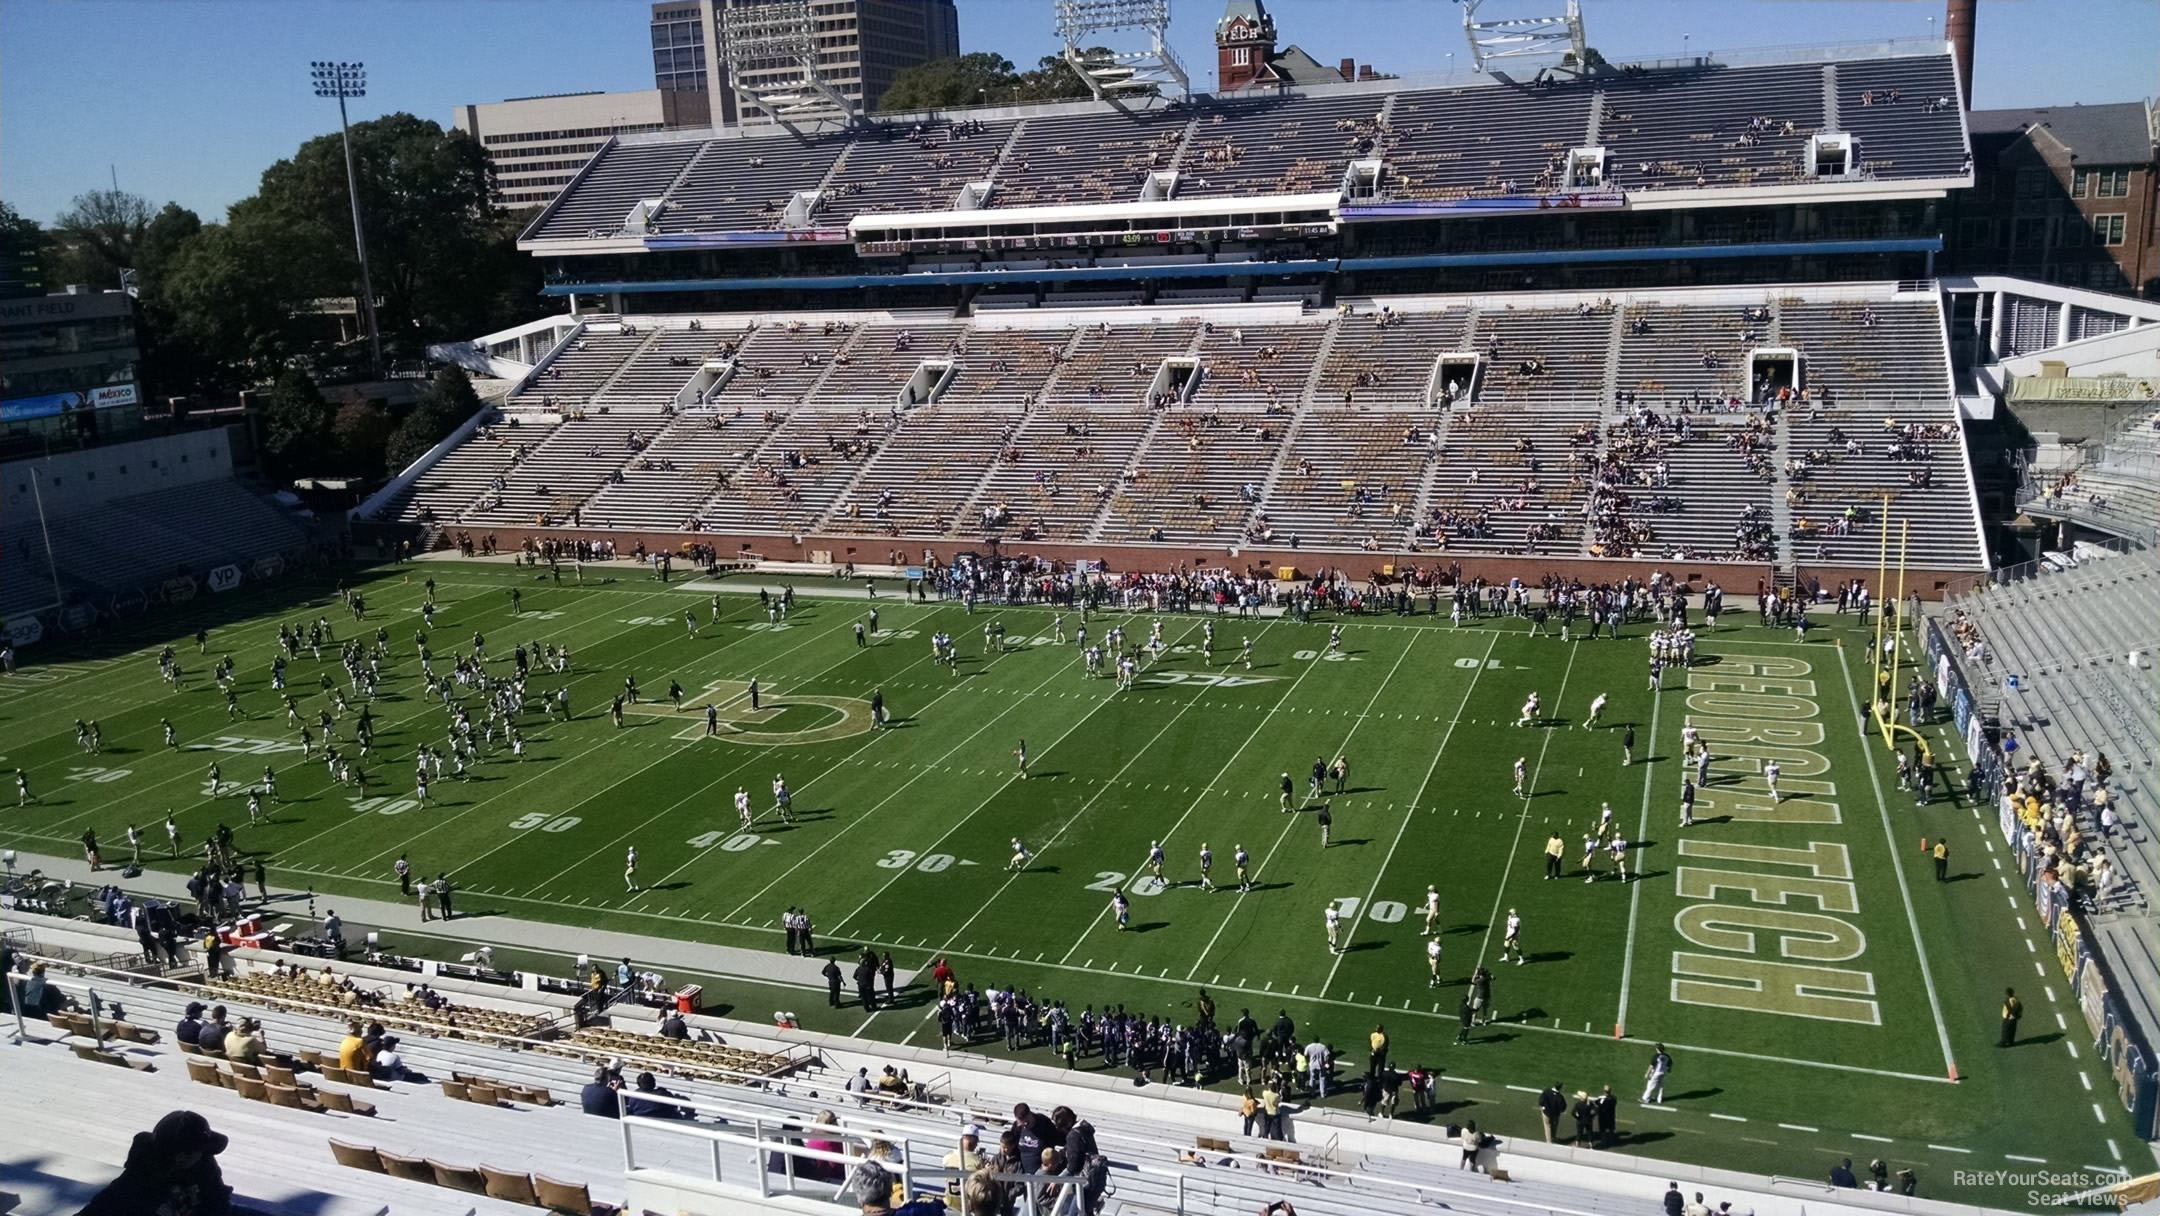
342	80
771	52
1523	37
1154	70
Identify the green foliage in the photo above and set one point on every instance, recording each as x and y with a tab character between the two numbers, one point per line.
295	427
448	402
981	78
220	300
25	247
362	431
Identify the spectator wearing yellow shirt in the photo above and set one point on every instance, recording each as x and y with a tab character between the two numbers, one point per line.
353	1050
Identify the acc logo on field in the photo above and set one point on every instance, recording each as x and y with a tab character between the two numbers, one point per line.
25	631
829	718
225	578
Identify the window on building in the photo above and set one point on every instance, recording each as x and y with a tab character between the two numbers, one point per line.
2108	229
2101	276
2111	183
2029	179
1242	56
2029	233
2079	180
1976	233
2075	233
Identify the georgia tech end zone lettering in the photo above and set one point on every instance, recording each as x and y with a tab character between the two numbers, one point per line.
1789	947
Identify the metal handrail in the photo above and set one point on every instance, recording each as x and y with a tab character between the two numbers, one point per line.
341	1013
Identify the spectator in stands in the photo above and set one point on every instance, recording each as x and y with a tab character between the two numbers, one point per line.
672	1025
965	1157
1034	1133
190	1027
597	1097
170	1169
211	1039
390	1064
872	1184
824	1171
244	1045
643	1104
352	1049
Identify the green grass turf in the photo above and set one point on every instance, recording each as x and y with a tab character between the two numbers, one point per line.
901	843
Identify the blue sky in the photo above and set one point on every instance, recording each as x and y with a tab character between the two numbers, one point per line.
190	100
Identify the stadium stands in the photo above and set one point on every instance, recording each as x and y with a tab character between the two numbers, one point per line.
1263	424
480	1122
1712	127
1703	126
134	542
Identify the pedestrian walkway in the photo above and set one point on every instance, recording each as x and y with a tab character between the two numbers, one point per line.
652	953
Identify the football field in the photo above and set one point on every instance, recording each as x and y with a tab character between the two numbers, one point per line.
1823	994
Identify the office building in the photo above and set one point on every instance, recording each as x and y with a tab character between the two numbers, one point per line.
2065	194
537	144
862	45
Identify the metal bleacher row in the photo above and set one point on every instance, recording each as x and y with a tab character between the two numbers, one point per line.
1704	125
133	543
491	1127
1329	432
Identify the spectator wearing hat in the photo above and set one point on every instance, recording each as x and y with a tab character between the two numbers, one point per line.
967	1157
390	1064
245	1044
171	1168
190	1027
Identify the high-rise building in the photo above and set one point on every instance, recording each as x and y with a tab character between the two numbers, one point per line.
862	45
537	144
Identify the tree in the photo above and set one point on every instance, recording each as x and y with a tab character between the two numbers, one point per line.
362	430
942	84
100	235
1053	79
442	259
448	402
295	426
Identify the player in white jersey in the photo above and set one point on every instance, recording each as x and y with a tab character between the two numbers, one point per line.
1121	908
1020	857
1154	859
1243	861
1334	639
1207	863
1432	962
1619	857
1247	648
1597	710
1529	711
1207	643
629	871
1020	755
1589	857
1770	776
783	799
1432	907
1057	626
1334	930
1513	940
1689	738
1522	772
742	805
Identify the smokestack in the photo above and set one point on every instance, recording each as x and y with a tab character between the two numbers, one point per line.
1348	69
1958	24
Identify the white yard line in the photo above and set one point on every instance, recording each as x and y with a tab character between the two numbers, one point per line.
957	685
1912	920
840	926
1492	919
1077	815
1410	812
1642	832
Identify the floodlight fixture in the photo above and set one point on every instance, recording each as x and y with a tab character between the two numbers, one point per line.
1155	70
341	79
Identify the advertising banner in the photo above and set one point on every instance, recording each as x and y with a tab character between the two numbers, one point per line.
225	578
104	396
25	630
